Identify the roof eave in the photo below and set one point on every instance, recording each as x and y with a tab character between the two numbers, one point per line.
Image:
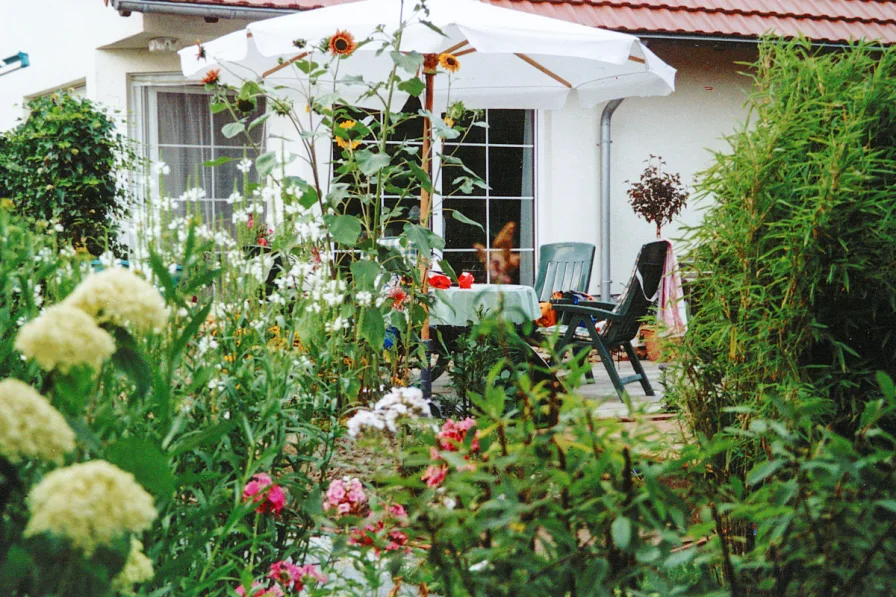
209	11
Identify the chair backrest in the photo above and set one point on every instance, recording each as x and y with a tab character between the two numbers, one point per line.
641	292
563	266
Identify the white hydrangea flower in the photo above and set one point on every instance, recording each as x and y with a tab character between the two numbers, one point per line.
91	503
30	427
119	297
364	298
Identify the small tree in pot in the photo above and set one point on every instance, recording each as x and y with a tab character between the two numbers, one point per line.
657	196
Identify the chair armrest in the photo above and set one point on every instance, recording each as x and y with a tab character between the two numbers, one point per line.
597	314
598	305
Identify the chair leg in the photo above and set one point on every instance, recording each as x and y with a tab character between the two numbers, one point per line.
636	364
607	359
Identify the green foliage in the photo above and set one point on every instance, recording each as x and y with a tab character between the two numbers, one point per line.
796	296
61	165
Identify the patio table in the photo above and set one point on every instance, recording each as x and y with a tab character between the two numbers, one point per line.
458	307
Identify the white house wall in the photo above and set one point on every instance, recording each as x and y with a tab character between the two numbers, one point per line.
684	128
60	37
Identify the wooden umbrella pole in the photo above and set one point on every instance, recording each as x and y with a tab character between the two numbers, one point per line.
425	197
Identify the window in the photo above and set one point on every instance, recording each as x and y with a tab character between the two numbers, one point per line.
179	129
503	155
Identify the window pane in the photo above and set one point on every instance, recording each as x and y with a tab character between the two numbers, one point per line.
510	171
473	158
467	262
183	118
227	175
187	171
459	235
221	119
509	127
474	134
502	211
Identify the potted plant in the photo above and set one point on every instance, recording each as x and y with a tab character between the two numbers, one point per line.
657	196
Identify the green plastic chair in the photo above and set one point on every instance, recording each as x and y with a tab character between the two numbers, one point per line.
563	266
623	318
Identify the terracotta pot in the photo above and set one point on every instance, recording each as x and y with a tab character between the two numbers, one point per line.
651	342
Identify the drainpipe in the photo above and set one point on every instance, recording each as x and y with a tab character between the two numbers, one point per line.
605	141
209	11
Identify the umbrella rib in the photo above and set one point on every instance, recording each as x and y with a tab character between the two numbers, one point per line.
544	69
465	52
283	65
455	47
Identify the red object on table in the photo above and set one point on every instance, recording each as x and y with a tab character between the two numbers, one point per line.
440	281
465	280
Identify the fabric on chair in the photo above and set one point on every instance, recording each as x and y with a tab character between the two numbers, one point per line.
672	310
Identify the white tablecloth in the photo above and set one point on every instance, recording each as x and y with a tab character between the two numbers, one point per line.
455	306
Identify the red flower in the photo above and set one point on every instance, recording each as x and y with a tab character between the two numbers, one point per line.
399	298
212	77
465	280
439	281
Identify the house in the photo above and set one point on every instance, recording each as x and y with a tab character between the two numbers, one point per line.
543	165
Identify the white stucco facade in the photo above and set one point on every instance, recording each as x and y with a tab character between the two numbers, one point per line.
83	42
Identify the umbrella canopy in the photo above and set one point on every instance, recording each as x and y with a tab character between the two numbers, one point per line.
510	59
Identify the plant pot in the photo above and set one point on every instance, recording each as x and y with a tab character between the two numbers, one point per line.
651	342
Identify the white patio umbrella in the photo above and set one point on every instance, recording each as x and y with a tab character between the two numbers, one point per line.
509	59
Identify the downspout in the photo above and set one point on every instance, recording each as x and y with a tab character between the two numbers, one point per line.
605	142
209	11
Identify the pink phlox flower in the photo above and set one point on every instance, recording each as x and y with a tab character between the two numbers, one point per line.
347	496
397	510
259	590
262	241
434	475
308	573
452	435
397	540
251	222
262	490
287	574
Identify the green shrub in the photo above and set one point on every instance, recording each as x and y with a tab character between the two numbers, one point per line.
796	296
60	165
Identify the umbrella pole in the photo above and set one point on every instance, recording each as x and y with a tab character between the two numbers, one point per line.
425	209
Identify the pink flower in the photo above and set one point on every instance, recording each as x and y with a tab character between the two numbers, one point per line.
294	578
251	222
346	496
397	540
262	241
258	590
262	490
311	574
397	510
453	434
434	475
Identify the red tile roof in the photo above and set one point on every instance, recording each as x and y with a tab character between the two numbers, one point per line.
821	20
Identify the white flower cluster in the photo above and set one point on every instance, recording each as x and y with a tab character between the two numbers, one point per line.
241	216
397	404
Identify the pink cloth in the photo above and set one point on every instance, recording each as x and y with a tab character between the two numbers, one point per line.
672	310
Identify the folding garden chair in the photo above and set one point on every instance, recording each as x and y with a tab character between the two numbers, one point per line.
578	322
563	266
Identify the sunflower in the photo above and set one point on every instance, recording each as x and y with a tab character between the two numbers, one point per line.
449	62
346	143
342	44
212	77
449	121
347	124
